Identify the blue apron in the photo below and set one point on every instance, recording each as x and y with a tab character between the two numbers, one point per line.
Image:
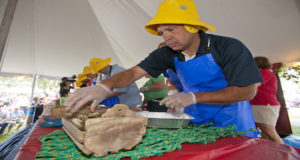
202	74
173	77
110	102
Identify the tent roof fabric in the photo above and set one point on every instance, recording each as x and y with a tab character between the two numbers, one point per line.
58	38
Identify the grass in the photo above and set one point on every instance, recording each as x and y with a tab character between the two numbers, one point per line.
5	136
294	115
296	130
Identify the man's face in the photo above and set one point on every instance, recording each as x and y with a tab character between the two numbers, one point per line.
175	36
104	70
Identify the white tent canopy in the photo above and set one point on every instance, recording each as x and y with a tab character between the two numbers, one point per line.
58	37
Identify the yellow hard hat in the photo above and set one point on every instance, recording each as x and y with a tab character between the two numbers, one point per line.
178	12
97	64
87	70
78	84
81	77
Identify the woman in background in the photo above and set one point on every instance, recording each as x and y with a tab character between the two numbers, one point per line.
265	105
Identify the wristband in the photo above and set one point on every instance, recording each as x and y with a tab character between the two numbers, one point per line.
194	97
104	87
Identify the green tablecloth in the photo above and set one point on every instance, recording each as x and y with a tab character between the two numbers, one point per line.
57	144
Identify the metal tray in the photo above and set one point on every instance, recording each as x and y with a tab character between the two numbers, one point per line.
166	120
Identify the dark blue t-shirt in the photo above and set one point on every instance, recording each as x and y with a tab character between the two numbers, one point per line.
232	56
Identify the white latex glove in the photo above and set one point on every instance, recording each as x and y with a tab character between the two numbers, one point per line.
172	91
81	96
179	100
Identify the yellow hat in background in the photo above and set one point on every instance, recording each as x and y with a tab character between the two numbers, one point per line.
87	70
178	12
81	77
97	64
78	84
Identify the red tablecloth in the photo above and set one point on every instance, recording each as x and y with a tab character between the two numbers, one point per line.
237	148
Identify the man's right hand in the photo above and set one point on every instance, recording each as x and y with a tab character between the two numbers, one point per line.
77	99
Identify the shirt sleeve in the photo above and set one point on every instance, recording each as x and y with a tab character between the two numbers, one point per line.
165	74
160	78
11	115
120	89
116	69
158	61
21	114
238	65
7	115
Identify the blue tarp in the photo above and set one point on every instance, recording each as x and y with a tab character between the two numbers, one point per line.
292	141
10	147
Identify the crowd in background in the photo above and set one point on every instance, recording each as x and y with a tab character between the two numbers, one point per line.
17	111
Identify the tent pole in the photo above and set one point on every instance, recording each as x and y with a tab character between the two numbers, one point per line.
5	26
33	85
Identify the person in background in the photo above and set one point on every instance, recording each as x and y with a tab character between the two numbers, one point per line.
88	71
72	80
154	91
24	103
64	87
83	79
218	74
78	84
4	119
17	117
129	95
38	109
265	105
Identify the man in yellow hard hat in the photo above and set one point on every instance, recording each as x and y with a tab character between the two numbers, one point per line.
218	73
82	80
88	72
78	84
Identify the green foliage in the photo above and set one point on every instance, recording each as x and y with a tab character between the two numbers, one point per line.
45	83
22	81
296	130
16	81
290	73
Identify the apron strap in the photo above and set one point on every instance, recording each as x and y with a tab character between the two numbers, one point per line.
205	44
108	75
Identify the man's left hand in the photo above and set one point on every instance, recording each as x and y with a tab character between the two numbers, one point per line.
179	100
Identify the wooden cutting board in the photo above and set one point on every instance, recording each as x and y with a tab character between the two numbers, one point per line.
73	130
